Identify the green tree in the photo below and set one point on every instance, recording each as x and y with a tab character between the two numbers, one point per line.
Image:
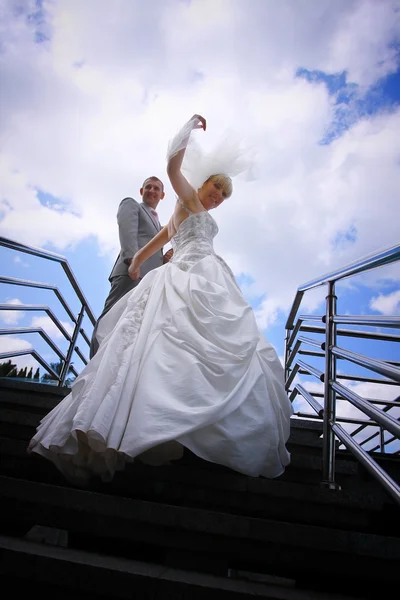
37	374
6	368
57	367
9	369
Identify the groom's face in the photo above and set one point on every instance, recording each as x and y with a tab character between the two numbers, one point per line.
152	192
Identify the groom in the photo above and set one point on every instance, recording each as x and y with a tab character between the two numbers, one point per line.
137	224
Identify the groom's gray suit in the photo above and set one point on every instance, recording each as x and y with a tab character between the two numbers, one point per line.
137	226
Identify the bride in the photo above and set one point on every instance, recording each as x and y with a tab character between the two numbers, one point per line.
181	363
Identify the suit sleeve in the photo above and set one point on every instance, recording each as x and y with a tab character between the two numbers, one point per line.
128	226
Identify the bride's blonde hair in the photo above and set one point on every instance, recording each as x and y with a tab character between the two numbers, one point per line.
224	181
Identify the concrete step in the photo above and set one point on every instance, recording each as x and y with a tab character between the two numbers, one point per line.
22	425
226	490
18	424
305	467
136	527
14	455
64	573
313	425
19	419
40	395
205	475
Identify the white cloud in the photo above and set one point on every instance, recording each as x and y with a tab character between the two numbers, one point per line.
88	114
19	261
50	327
387	304
267	314
378	391
12	317
366	30
15	344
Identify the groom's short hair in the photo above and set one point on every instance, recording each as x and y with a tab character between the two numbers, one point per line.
153	178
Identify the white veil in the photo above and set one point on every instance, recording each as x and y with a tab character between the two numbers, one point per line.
227	157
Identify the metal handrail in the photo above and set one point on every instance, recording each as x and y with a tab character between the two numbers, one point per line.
7	243
376	470
311	370
389	403
85	309
350	420
384	337
369	320
310	341
35	355
319	409
388	370
40	331
384	443
370	410
378	366
372	261
43	286
37	308
364	424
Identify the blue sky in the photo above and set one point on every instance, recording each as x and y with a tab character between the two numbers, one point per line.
353	103
89	104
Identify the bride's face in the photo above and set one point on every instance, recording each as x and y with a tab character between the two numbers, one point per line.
211	194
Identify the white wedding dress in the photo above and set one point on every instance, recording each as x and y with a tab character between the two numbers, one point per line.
181	363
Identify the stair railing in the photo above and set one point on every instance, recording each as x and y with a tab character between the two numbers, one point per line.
65	359
379	412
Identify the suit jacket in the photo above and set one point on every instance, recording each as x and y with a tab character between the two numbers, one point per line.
137	226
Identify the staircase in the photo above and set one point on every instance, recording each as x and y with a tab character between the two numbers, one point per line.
193	528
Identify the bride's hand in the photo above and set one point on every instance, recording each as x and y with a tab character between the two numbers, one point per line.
134	268
200	122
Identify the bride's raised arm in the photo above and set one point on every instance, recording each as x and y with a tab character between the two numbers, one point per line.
182	187
176	152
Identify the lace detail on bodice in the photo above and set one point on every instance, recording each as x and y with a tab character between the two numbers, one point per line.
194	239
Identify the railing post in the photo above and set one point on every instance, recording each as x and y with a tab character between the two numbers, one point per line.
328	455
382	439
287	337
64	370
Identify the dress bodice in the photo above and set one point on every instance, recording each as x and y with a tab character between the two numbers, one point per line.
194	239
